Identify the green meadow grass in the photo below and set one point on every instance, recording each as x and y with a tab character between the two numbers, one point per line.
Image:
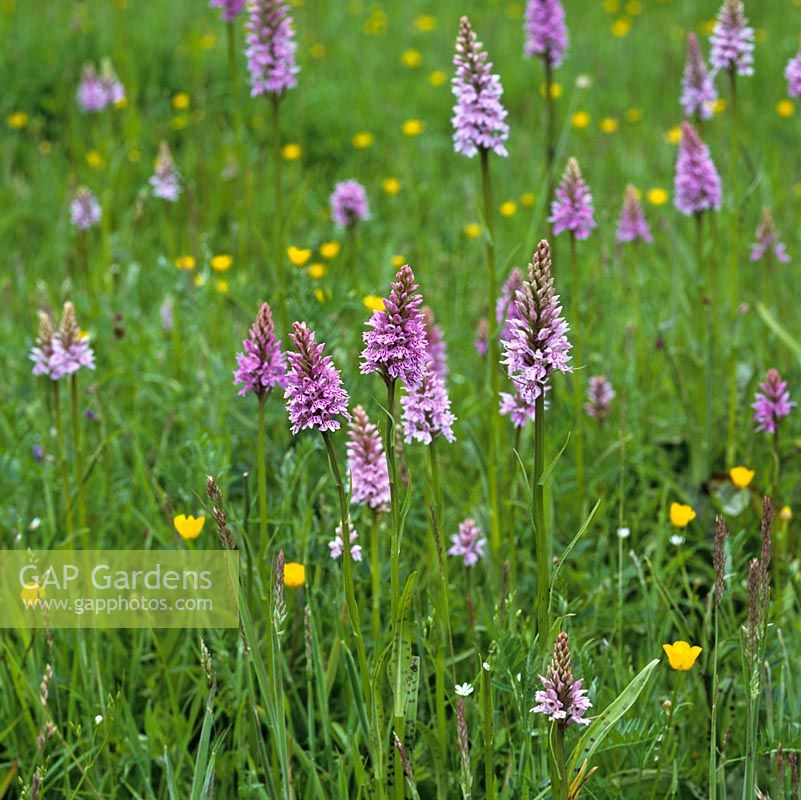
166	413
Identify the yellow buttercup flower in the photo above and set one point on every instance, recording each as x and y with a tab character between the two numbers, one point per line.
681	655
294	575
180	101
437	77
291	151
391	186
708	26
425	23
372	302
207	41
298	256
657	196
786	514
634	8
621	27
31	592
222	262
527	199
785	108
719	106
412	127
17	120
94	159
330	250
362	140
222	286
317	271
609	124
473	230
397	261
508	208
681	515
634	115
556	90
179	122
673	135
741	477
185	262
412	58
188	527
581	119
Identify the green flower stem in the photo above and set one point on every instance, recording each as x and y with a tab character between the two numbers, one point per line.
493	357
734	278
262	468
62	458
77	459
578	414
392	469
375	577
541	543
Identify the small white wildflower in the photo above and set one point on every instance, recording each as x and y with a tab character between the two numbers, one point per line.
584	81
486	666
623	533
35	523
677	540
98	719
464	689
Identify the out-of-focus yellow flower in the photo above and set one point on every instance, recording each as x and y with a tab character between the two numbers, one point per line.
179	122
317	51
298	256
185	262
180	101
673	135
330	250
719	106
397	261
556	90
412	58
222	262
94	159
761	35
222	286
527	199
708	26
134	154
121	102
294	575
634	115
188	527
425	23
634	8
437	78
362	140
45	147
473	230
31	592
681	656
291	151
741	477
376	23
200	280
391	186
207	41
681	515
785	108
609	124
621	27
412	127
581	119
319	295
611	6
372	302
17	120
786	514
508	208
657	196
317	271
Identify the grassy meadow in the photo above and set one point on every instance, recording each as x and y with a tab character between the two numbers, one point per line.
430	696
